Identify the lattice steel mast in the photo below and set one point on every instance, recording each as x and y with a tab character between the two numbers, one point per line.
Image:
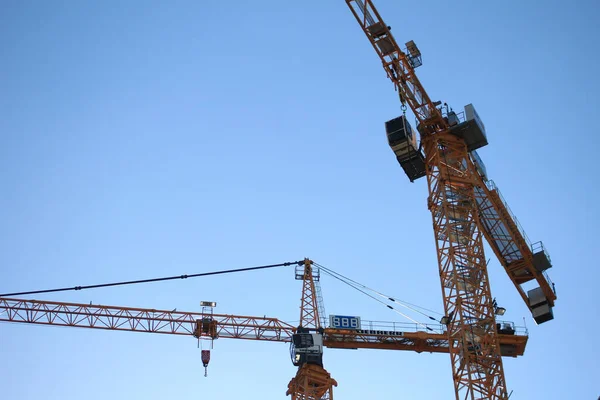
475	351
312	381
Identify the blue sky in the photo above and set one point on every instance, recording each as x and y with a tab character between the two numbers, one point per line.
144	139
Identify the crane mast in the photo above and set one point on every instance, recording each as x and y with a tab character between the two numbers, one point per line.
312	381
468	302
465	207
474	347
309	306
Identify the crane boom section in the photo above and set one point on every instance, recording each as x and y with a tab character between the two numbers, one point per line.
143	320
511	344
500	230
227	326
397	65
523	261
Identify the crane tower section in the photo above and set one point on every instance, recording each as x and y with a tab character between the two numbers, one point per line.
475	352
525	263
312	381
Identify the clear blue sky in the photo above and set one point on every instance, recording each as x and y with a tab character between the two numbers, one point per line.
143	139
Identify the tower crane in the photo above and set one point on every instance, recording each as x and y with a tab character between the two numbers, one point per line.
465	207
307	340
312	381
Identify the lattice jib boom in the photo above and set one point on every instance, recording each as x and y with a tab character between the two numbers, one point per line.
397	65
227	326
141	320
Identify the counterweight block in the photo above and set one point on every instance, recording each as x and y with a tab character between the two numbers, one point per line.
403	143
472	130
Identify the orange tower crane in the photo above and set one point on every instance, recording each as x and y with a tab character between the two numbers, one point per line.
312	381
307	340
464	209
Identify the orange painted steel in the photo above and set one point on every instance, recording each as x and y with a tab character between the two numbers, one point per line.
401	73
309	310
311	382
475	353
509	244
474	345
418	341
395	63
143	320
225	326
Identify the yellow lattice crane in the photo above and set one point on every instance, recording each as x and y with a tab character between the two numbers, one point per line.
307	339
465	208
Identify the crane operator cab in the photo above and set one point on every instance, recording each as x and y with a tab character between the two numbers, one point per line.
307	347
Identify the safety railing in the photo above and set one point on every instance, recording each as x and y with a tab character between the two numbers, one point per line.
400	326
321	304
547	277
492	186
501	236
539	247
519	330
385	327
460	116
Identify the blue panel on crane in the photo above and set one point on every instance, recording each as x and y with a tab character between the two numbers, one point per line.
344	322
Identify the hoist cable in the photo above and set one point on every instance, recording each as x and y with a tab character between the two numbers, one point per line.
228	271
387	297
405	304
379	301
334	275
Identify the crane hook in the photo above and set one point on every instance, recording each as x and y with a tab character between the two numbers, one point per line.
205	361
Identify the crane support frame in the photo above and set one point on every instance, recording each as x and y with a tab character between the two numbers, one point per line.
511	345
396	64
473	339
475	351
312	382
511	246
142	320
493	211
50	313
309	307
